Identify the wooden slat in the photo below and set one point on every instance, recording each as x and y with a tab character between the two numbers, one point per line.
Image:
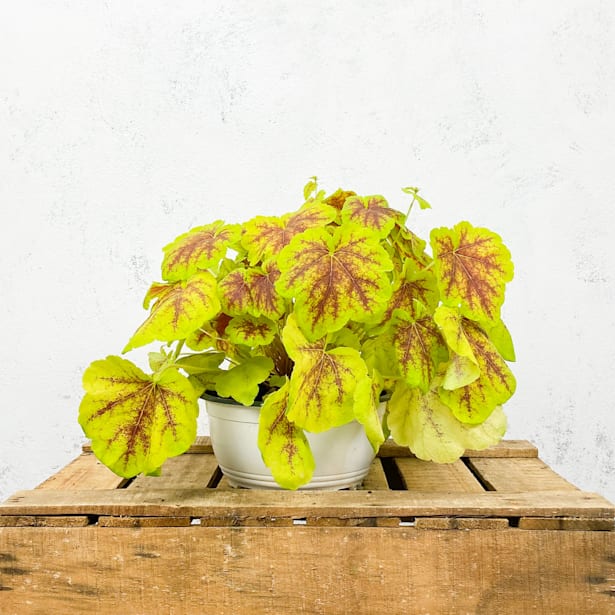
342	504
44	521
144	521
428	477
459	523
84	472
505	449
183	472
514	475
337	571
566	523
376	478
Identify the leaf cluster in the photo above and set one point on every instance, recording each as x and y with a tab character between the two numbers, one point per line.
318	315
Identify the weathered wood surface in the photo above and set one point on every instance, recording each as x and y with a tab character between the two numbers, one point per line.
255	503
273	570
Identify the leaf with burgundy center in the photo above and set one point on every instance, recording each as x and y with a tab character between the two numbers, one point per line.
136	421
474	402
199	249
283	445
323	383
371	212
178	310
472	266
251	330
334	278
419	347
265	236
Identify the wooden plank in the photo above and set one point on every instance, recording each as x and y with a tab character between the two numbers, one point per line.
566	523
201	445
305	570
460	523
144	521
84	472
506	449
44	521
342	504
428	477
182	472
376	478
513	475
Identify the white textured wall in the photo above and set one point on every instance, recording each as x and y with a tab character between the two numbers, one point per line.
123	124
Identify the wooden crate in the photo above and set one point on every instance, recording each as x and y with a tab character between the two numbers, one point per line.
496	532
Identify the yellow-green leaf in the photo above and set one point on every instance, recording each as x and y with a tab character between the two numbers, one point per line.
201	248
265	236
283	446
472	266
500	336
135	421
179	309
323	383
251	331
474	402
338	198
366	402
428	427
334	278
252	291
372	212
419	348
241	382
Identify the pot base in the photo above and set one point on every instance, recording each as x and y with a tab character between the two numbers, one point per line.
342	455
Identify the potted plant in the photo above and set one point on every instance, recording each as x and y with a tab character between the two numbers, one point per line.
332	316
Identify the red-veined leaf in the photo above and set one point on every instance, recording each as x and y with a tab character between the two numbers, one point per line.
472	266
474	402
201	248
179	309
371	212
283	445
323	383
419	348
334	279
251	330
265	236
136	421
338	198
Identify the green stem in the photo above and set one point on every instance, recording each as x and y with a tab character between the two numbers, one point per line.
178	349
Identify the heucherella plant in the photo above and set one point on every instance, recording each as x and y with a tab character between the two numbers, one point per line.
319	314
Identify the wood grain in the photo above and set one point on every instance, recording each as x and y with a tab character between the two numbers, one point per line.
276	570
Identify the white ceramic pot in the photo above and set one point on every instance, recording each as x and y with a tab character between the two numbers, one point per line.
342	455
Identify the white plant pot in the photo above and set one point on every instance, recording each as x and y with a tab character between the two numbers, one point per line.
342	455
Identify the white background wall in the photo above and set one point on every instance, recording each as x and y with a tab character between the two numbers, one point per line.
123	124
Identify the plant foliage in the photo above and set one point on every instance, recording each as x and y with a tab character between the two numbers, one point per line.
317	313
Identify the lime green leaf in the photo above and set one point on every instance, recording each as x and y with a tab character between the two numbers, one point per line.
201	248
210	335
241	382
134	422
366	402
431	431
201	362
419	348
157	360
252	291
251	331
310	187
284	447
372	212
379	355
334	279
411	289
472	266
265	236
345	337
178	310
338	198
450	322
474	402
323	382
500	336
411	249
